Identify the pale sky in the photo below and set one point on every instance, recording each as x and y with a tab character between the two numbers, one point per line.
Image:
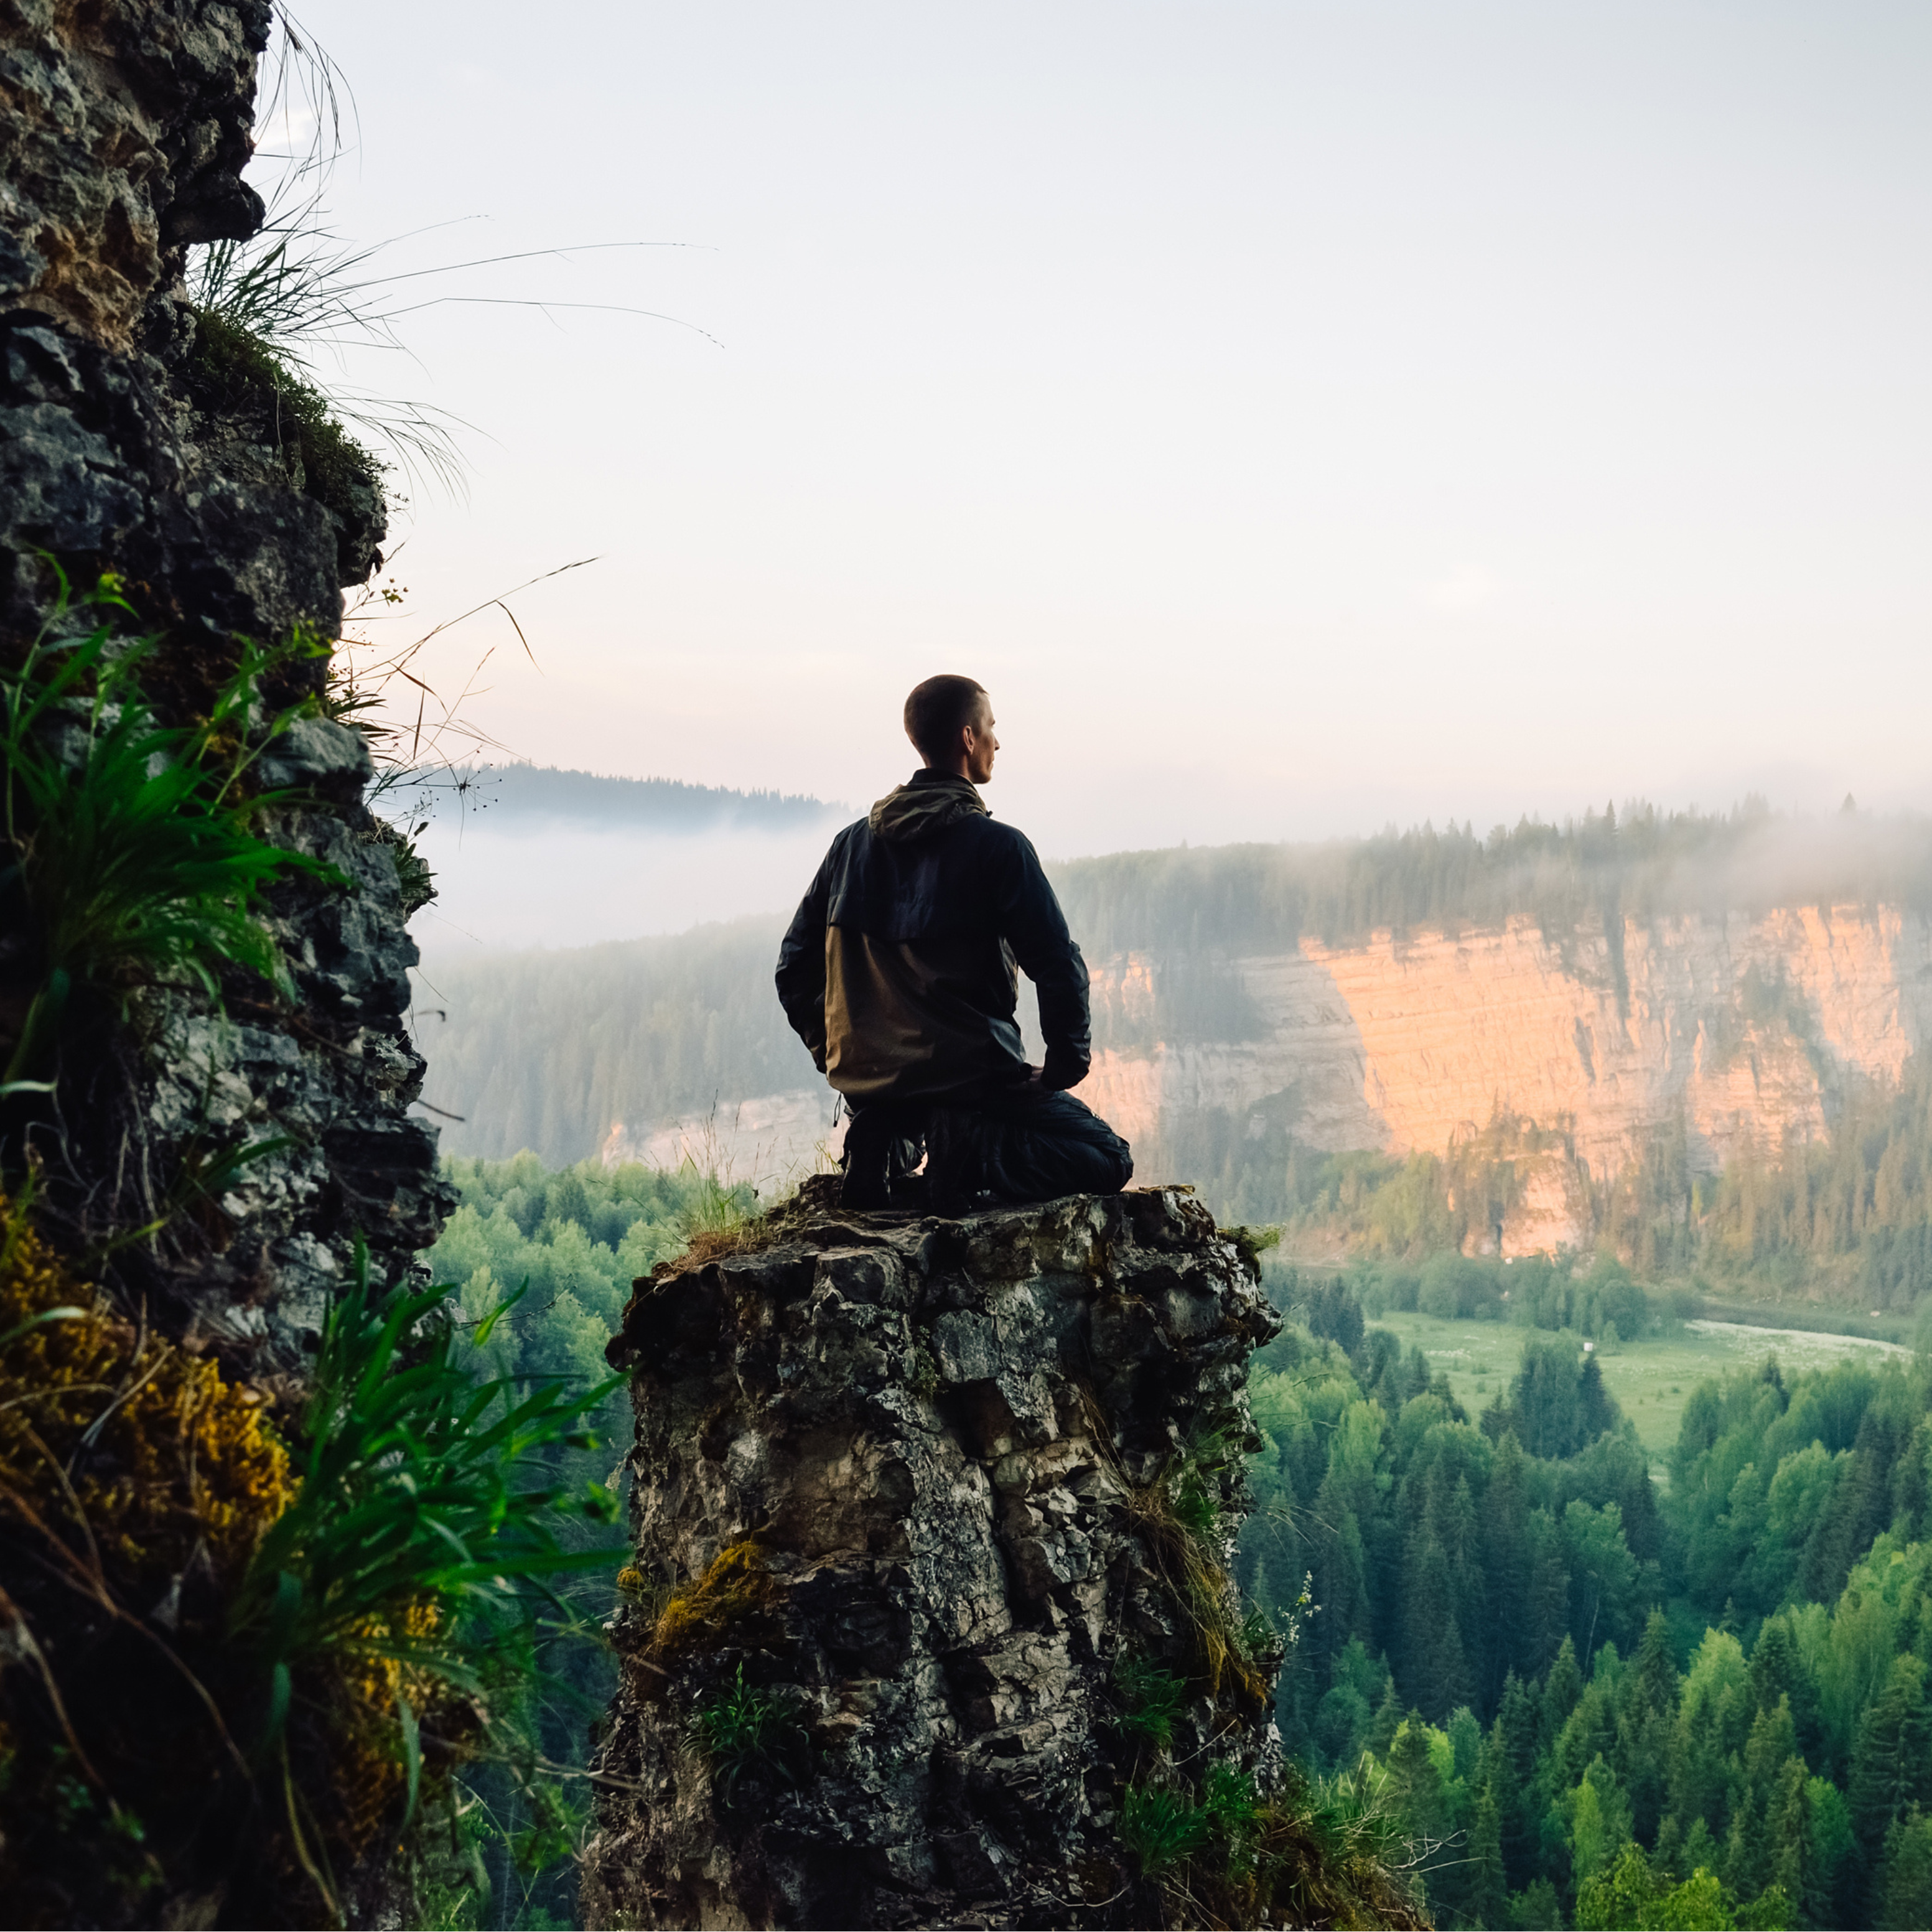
1300	416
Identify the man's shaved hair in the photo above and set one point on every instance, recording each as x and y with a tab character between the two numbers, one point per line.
938	710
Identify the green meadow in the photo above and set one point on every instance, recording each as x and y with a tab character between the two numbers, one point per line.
1652	1378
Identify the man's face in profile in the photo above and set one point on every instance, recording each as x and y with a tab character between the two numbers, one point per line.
981	743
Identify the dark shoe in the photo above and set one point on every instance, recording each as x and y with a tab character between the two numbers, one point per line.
956	1162
882	1149
868	1144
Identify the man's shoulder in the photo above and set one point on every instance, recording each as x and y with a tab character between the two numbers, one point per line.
995	834
846	837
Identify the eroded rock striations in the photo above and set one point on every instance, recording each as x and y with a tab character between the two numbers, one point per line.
125	447
907	1487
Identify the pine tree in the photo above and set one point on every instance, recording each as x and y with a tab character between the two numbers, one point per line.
1788	1827
1905	1898
1506	1573
1517	1722
1488	1897
1773	1740
1669	1848
1830	1858
1561	1689
1461	1542
1597	1411
1892	1762
1383	1726
1590	1732
1651	1682
1744	1859
1778	1669
1435	1667
1701	1852
1547	1615
1599	1818
1647	1698
1415	1785
1513	1742
1340	1564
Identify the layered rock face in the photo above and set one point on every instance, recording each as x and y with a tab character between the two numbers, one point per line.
1745	1029
908	1482
124	127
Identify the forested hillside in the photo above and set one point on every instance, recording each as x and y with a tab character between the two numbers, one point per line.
1852	1209
545	1050
1641	864
1610	1705
542	793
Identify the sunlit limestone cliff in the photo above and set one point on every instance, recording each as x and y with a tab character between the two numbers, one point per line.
1740	1030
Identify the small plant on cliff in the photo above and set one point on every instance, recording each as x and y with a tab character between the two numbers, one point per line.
743	1730
132	857
1195	1477
1160	1826
232	365
1151	1699
1178	1515
1312	1853
1253	1242
720	1215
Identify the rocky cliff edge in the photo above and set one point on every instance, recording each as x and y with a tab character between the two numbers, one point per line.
929	1621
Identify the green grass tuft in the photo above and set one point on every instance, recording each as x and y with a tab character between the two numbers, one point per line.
1151	1699
133	857
1160	1827
743	1730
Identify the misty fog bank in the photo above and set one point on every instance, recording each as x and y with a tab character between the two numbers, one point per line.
514	883
624	866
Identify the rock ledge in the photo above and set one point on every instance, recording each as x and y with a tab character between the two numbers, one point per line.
907	1485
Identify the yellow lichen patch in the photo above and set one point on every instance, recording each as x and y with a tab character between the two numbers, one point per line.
736	1584
166	1457
370	1776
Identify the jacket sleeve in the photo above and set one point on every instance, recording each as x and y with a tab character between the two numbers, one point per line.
801	973
1033	926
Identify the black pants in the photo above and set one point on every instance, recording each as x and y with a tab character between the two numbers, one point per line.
997	1148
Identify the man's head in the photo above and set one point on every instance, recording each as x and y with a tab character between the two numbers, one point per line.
949	720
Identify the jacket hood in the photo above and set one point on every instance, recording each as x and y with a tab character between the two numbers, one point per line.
933	801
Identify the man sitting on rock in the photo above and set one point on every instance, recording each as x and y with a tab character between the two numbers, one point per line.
901	973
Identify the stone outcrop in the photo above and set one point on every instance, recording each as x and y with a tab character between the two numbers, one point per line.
123	129
912	1482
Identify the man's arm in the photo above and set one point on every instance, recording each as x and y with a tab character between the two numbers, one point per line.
1033	924
801	973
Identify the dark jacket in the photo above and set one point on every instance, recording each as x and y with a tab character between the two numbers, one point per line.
901	971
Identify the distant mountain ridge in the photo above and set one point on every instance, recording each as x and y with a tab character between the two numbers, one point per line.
550	794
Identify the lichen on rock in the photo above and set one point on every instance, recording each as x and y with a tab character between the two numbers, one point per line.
974	1468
